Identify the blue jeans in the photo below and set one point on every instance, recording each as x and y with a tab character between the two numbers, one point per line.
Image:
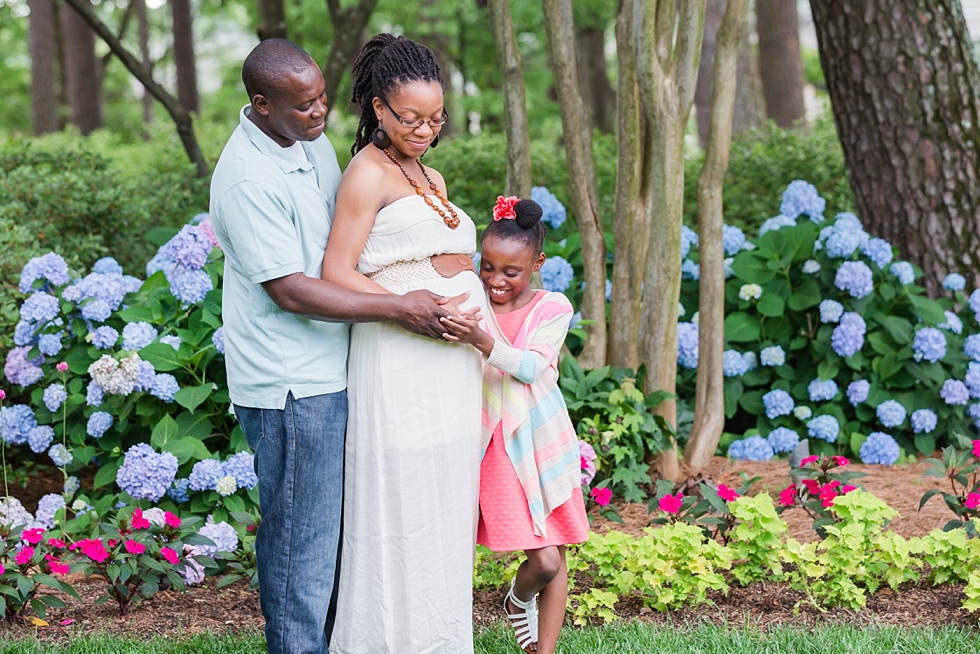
299	457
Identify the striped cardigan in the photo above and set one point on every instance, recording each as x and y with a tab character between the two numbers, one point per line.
520	390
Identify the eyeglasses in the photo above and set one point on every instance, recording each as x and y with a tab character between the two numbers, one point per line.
415	124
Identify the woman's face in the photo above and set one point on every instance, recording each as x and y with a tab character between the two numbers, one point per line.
411	101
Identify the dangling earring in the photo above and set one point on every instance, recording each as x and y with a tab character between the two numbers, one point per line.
435	142
380	138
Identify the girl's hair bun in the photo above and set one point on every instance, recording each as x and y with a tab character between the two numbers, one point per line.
528	213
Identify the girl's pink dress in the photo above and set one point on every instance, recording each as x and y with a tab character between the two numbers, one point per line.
505	519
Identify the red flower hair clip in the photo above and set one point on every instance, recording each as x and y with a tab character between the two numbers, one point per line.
504	209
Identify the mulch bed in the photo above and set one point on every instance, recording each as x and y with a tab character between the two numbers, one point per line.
235	608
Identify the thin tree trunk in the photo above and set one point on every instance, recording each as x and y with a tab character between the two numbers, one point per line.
780	61
272	20
43	48
597	92
906	96
144	38
667	69
515	104
184	55
348	24
709	402
577	132
83	87
750	106
181	117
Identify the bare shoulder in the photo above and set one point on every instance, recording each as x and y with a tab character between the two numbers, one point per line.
364	172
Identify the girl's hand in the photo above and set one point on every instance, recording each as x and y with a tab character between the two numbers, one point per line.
464	328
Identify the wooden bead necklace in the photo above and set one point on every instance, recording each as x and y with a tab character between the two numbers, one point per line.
452	220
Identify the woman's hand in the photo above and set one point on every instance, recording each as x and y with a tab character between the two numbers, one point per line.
464	328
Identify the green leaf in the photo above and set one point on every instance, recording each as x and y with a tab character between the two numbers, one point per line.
889	366
828	369
165	431
160	235
234	504
107	473
52	601
770	305
196	426
741	327
899	329
78	360
925	443
857	440
752	402
806	296
136	314
191	397
163	357
751	268
929	310
227	580
181	449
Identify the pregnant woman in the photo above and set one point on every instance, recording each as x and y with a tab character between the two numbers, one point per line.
411	479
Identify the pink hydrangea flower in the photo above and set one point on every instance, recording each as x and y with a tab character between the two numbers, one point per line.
134	547
32	536
787	496
671	503
24	556
171	520
726	493
208	229
587	458
170	555
602	496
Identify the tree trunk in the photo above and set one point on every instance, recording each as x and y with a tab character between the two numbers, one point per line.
144	39
597	92
709	403
780	62
667	69
83	86
42	37
181	117
906	97
272	20
515	104
184	55
348	24
577	132
750	106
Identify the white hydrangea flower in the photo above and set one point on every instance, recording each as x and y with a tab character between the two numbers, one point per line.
226	486
750	292
802	412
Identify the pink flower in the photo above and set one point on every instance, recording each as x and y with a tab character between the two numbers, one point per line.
2	394
847	488
840	460
55	542
726	493
135	548
811	486
32	536
976	444
671	503
787	496
504	209
828	493
62	367
208	229
602	496
93	548
171	520
972	500
810	459
2	570
139	522
57	567
170	555
65	623
24	555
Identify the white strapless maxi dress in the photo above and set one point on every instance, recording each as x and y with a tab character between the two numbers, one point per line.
411	478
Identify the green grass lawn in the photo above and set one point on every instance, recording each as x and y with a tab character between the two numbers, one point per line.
624	639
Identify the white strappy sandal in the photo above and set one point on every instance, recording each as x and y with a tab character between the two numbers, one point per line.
525	622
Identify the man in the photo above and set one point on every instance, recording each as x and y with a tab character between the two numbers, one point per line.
272	199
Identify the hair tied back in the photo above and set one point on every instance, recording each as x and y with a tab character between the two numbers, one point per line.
528	213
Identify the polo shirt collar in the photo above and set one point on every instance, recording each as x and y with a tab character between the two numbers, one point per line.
270	148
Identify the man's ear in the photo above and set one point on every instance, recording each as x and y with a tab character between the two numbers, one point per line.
538	262
261	104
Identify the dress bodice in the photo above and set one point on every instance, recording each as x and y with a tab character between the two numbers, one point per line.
408	229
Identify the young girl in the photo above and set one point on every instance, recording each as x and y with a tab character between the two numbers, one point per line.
530	496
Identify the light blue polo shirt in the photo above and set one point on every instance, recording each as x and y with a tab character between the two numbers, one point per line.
271	215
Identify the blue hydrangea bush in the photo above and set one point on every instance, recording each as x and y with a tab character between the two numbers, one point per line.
144	395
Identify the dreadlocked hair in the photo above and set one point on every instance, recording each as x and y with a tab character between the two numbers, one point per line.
526	227
385	63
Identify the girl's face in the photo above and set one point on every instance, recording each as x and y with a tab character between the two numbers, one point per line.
506	266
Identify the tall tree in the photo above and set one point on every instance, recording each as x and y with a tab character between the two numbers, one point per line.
667	41
906	96
584	187
780	61
515	105
42	40
709	401
598	93
83	84
144	39
348	25
184	58
272	20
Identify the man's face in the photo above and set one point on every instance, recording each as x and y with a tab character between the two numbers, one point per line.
299	111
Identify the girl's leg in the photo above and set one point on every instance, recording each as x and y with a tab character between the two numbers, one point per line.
551	607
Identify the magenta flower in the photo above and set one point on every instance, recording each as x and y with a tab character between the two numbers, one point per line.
972	500
139	522
135	548
810	459
171	520
62	367
976	444
56	542
787	496
32	536
840	460
602	496
671	503
24	556
726	493
56	566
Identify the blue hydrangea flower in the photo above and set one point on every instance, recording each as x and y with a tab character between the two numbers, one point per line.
137	335
24	332
146	474
733	364
777	403
105	337
880	449
205	474
690	270
172	341
164	387
689	239
107	265
824	427
218	338
879	251
811	266
775	223
955	393
822	390
72	484
553	211
30	375
971	347
39	308
924	421
241	466
178	491
49	344
857	391
222	534
772	356
109	288
973	411
891	413
146	377
47	509
94	395
189	248
800	198
40	438
853	320
18	421
904	271
854	277
556	274
952	323
190	287
783	439
131	284
50	267
751	361
929	344
687	345
831	311
972	380
732	240
753	448
954	282
727	264
54	396
160	262
975	303
844	237
846	340
608	293
98	423
96	311
60	455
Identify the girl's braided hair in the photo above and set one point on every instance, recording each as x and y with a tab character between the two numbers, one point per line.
385	63
526	227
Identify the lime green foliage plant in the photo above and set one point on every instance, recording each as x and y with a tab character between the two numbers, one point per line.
960	468
756	539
